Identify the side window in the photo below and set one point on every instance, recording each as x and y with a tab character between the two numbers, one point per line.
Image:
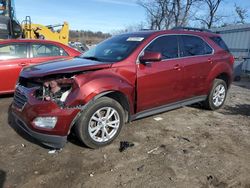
220	43
166	45
193	46
47	50
13	51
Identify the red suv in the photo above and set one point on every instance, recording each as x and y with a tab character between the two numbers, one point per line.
20	53
124	78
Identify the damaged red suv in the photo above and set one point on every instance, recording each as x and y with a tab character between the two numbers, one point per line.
124	78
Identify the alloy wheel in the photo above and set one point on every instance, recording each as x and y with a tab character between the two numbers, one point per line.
219	95
104	124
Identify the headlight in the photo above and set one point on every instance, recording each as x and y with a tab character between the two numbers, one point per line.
45	122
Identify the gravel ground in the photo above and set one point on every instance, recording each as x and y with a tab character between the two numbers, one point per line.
187	147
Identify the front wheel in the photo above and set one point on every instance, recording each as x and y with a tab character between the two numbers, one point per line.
100	123
217	95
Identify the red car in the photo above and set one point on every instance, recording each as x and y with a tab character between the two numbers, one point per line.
17	54
126	77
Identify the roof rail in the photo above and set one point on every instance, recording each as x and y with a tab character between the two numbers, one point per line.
146	29
191	29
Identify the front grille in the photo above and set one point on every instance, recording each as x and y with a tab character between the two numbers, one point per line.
19	99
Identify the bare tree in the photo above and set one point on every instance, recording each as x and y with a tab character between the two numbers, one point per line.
164	14
181	11
211	17
156	11
241	13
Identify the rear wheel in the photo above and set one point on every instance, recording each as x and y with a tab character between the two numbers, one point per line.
100	123
217	95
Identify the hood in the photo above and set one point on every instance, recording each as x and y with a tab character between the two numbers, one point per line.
63	66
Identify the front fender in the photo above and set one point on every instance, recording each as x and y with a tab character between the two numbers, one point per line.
101	85
89	89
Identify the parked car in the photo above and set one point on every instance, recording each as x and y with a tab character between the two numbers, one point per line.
124	78
79	46
17	54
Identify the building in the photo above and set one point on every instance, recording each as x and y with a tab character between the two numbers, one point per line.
237	38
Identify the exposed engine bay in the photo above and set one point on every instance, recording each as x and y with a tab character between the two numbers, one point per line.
54	89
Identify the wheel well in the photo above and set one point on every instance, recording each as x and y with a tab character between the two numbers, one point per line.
122	99
225	77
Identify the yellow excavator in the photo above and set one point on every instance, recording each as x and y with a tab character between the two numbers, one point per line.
50	32
11	28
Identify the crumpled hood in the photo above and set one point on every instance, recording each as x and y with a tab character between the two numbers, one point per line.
63	66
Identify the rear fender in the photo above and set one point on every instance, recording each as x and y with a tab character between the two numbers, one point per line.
218	69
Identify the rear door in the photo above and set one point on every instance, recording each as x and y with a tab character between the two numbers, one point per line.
160	83
197	59
13	57
41	52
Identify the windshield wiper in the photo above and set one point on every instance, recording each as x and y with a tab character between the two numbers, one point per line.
92	58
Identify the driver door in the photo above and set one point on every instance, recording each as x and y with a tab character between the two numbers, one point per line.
13	58
160	82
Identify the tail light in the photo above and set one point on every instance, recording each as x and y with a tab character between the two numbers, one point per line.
231	59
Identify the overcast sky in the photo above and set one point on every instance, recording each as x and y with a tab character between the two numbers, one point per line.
96	15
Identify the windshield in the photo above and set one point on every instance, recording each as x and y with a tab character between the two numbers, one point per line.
114	49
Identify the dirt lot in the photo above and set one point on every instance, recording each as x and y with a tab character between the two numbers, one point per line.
189	147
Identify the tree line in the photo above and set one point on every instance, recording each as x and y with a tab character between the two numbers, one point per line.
165	14
87	37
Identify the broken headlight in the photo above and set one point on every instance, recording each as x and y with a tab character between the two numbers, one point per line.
55	90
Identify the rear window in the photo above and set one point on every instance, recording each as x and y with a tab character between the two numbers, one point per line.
193	46
220	43
47	50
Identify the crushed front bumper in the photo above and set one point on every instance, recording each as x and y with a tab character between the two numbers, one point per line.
25	108
53	141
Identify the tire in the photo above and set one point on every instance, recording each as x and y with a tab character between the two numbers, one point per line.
91	126
212	102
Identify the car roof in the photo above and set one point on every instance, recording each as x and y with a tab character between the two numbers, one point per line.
178	32
6	41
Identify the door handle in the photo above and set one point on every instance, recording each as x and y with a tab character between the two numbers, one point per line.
210	61
23	64
177	67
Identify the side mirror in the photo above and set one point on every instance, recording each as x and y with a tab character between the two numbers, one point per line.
150	57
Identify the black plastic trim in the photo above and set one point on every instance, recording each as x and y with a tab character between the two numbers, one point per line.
168	107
